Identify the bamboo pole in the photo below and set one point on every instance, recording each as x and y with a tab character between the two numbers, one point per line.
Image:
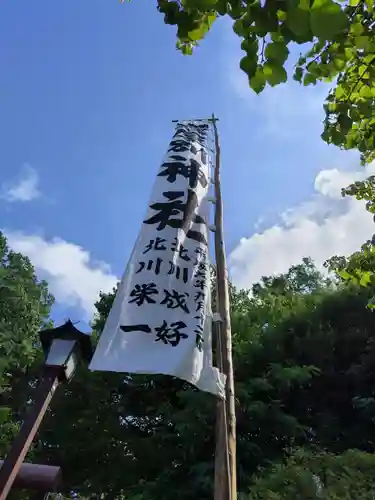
222	477
226	417
225	487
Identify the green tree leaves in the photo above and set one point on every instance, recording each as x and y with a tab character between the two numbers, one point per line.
327	19
24	309
193	21
205	25
258	81
359	268
348	56
293	385
248	65
298	18
342	50
343	39
277	52
298	343
313	474
274	73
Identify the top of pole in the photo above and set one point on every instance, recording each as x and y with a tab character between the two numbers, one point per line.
213	119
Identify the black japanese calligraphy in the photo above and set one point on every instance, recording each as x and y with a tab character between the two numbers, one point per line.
167	334
200	284
175	300
156	244
150	266
171	334
160	244
200	317
135	328
183	146
200	306
180	249
201	252
201	270
192	171
201	257
179	146
191	133
176	270
202	126
190	138
190	129
143	293
176	206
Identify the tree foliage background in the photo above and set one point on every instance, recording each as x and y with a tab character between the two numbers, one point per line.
24	308
303	355
338	40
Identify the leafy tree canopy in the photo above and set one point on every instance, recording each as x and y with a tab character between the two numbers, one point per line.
24	309
303	354
359	268
340	40
313	474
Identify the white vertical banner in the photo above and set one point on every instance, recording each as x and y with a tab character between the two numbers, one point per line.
161	319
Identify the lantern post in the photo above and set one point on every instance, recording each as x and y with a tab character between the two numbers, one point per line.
64	347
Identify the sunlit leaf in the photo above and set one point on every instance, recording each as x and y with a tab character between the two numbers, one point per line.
274	73
298	21
277	51
258	81
309	79
298	74
248	65
327	19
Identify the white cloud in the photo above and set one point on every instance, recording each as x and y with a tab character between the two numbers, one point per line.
330	182
73	277
24	188
322	227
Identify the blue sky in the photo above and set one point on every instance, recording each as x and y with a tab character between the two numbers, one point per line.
87	96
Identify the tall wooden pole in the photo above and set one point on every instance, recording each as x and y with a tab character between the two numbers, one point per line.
226	409
225	487
222	475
